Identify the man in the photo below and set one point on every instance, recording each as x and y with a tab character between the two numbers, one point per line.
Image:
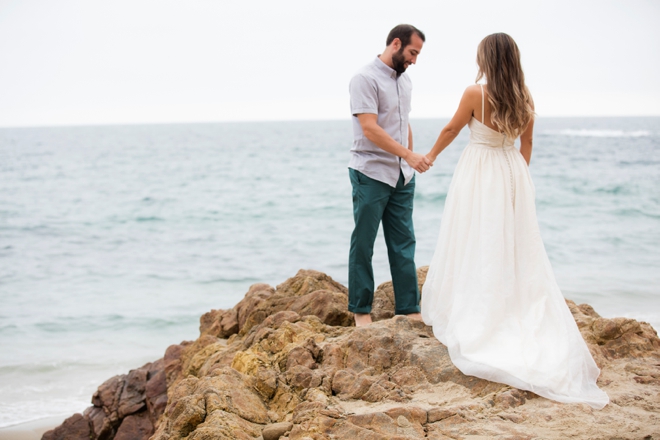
382	169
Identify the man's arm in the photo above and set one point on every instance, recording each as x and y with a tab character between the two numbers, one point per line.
378	136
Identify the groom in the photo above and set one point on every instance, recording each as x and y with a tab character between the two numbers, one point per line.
381	169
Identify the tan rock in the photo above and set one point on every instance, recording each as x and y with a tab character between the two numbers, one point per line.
294	357
276	430
438	414
308	281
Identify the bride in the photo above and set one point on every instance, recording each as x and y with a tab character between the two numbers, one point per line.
490	293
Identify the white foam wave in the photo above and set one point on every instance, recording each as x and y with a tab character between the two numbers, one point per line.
18	412
601	133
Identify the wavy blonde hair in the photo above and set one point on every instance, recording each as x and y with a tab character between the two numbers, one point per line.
498	59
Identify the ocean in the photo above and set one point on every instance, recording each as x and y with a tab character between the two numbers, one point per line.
115	239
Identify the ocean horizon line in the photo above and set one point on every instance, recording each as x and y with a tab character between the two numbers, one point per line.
267	121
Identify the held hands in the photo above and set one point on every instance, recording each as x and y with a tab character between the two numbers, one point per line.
418	162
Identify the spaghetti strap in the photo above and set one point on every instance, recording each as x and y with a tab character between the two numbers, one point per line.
482	104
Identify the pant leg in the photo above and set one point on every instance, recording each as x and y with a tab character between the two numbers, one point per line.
369	200
400	240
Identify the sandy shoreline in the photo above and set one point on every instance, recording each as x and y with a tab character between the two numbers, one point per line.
30	430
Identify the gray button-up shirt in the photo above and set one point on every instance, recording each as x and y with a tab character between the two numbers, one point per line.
376	89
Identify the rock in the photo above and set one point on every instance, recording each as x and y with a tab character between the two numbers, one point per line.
156	391
124	407
438	414
276	430
383	304
98	423
172	360
308	293
107	395
132	398
615	338
330	307
219	323
294	367
75	427
510	399
308	281
411	414
135	426
515	418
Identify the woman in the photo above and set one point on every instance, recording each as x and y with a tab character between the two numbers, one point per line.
490	293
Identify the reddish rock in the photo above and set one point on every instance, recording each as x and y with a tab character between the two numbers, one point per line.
132	397
98	422
135	427
173	361
75	427
219	323
156	393
257	294
107	395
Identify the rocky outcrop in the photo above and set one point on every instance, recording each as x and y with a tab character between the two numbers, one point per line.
125	407
286	363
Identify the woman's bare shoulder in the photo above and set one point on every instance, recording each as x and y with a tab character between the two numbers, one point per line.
472	92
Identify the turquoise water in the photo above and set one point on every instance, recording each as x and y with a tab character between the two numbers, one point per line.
114	240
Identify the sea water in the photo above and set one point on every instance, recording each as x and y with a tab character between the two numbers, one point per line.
115	239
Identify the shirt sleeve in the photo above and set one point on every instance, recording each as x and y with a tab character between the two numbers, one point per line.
364	95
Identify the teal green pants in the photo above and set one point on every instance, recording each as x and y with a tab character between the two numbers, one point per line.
373	202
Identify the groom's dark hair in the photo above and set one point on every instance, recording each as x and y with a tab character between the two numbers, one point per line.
404	33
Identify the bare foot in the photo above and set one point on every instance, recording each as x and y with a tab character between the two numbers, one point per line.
415	316
362	319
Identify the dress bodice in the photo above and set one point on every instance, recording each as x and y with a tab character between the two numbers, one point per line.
484	136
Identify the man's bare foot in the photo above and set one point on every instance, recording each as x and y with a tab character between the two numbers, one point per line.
362	319
415	316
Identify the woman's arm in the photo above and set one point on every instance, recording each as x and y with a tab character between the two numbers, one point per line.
526	142
471	97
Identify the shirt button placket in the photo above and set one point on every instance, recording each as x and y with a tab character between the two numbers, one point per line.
398	97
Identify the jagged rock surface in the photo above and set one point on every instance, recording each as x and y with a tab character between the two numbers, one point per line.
294	368
125	407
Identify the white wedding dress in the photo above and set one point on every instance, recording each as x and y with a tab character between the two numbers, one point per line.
490	293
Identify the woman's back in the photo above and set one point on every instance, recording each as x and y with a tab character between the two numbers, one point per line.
483	112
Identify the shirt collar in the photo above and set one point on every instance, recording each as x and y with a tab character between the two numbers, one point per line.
387	70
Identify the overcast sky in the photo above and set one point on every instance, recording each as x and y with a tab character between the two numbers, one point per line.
72	62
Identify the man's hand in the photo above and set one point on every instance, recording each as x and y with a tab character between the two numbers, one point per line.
418	162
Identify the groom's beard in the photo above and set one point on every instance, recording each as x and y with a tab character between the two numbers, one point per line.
399	62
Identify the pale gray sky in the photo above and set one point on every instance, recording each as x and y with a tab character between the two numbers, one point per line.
71	62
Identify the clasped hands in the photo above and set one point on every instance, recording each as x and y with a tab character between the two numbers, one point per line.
419	162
